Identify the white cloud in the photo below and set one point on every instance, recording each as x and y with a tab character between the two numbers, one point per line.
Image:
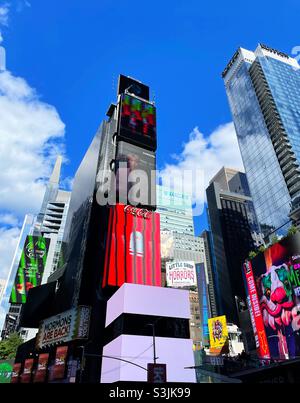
8	243
4	13
204	157
31	135
9	219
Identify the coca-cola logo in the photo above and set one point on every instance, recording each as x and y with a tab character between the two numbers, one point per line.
137	212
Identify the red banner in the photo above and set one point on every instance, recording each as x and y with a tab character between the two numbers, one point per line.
26	376
41	372
16	373
59	368
263	350
133	247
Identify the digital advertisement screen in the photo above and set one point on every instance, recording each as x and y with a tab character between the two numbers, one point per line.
16	373
218	334
136	176
133	247
275	292
31	268
138	122
59	368
26	375
133	87
41	372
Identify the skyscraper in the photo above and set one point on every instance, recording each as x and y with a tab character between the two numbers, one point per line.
263	88
234	233
2	287
179	244
206	236
47	226
111	244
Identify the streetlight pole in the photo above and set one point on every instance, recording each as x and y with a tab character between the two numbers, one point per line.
82	363
154	345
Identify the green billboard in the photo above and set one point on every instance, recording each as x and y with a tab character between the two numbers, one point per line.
6	368
31	268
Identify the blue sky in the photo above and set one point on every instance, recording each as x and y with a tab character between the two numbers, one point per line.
63	60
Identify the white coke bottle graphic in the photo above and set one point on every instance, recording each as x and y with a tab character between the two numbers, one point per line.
136	244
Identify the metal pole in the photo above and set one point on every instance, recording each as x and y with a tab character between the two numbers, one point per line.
154	346
82	363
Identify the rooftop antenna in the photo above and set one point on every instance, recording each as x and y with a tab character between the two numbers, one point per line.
114	83
154	96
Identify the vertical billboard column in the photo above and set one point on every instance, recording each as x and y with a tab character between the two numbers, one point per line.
132	248
263	350
31	268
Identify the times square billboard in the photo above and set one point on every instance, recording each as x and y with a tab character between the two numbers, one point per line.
137	122
132	247
273	285
31	268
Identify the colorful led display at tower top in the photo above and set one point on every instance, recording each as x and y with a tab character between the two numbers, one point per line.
138	122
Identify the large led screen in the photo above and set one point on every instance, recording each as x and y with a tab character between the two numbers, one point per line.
136	176
31	268
133	87
133	247
138	122
274	290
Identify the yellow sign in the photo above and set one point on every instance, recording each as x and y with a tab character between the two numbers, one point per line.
218	333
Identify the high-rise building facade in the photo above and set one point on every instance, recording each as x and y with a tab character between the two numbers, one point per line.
206	236
42	231
263	88
111	247
175	209
2	287
179	244
234	233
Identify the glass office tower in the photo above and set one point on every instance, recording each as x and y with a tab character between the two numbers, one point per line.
263	88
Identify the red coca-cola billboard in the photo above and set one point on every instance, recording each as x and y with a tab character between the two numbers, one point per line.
133	247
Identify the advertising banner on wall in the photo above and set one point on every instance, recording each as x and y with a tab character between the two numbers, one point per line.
65	327
135	168
6	370
133	247
16	373
59	369
256	315
181	274
275	290
27	372
31	268
138	122
41	372
218	334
